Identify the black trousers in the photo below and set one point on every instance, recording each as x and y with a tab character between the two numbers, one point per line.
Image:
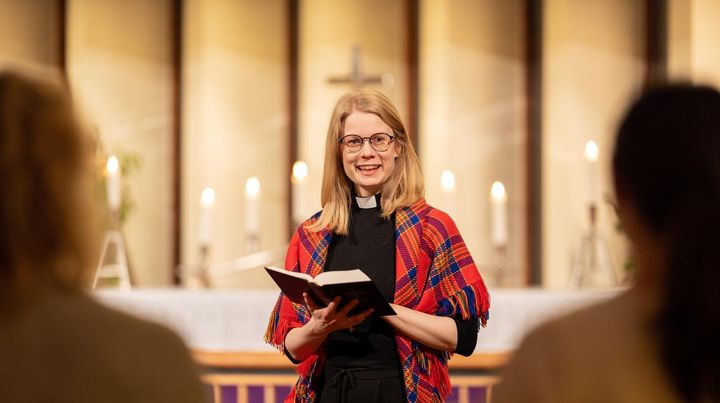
380	382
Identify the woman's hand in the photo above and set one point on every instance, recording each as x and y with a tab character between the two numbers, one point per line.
301	342
329	319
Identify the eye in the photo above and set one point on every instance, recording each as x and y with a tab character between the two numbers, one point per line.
352	141
379	139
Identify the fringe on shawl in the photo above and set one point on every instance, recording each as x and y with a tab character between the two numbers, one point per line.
471	301
276	330
434	363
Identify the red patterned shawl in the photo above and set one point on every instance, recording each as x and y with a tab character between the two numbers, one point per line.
435	274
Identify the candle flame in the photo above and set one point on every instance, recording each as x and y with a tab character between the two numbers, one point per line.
447	180
591	151
252	187
112	164
497	192
300	170
207	197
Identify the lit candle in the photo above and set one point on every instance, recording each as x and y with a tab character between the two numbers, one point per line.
498	198
591	156
207	198
447	183
299	178
113	183
252	196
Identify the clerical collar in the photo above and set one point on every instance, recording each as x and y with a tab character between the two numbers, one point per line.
367	202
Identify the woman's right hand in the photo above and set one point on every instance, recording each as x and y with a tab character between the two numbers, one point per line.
325	320
303	341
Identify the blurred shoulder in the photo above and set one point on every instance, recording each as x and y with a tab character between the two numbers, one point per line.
125	358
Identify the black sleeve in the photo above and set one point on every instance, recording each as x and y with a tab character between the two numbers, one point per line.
289	356
467	331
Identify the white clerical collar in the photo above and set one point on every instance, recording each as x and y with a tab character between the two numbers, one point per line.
366	202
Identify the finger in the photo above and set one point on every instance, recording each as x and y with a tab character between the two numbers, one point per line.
348	307
332	305
309	302
355	319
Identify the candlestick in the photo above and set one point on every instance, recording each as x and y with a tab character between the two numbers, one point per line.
299	179
207	199
252	213
498	198
113	183
591	156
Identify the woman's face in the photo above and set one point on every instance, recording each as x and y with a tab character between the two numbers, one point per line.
367	168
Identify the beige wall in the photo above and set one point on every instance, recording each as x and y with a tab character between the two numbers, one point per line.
28	32
472	120
118	58
235	124
328	30
593	62
694	40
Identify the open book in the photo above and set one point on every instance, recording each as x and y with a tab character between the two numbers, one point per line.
348	284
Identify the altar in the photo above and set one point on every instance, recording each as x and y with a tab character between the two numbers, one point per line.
224	328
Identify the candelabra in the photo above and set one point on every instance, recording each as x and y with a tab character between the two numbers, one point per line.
593	256
500	264
252	242
113	262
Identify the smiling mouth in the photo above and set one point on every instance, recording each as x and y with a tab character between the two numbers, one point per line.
367	168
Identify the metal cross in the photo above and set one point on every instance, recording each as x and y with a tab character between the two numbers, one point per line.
356	77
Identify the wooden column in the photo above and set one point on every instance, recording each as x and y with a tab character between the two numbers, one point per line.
533	94
656	42
176	37
293	33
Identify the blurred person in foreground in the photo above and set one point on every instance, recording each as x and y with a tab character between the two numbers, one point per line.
56	343
660	340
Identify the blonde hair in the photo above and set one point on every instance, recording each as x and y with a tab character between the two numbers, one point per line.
405	184
46	211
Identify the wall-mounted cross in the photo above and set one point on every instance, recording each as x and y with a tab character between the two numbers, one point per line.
356	77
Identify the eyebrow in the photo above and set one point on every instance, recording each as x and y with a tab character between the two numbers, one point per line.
354	134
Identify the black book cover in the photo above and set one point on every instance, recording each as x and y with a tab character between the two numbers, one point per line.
348	284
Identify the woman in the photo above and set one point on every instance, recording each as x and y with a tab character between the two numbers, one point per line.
657	342
56	343
374	218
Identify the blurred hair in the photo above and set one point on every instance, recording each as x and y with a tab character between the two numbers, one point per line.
405	184
46	211
667	161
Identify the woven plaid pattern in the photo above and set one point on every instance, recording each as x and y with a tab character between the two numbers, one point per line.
434	274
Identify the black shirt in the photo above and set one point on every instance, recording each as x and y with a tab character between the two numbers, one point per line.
370	247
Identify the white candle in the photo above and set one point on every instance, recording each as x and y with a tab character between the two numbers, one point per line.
447	183
112	184
498	199
207	199
299	179
252	207
591	156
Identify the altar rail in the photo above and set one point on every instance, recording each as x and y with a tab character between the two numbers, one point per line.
467	374
272	388
225	328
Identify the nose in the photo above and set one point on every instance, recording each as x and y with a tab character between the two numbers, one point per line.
366	149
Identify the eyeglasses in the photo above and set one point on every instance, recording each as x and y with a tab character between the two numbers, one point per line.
380	142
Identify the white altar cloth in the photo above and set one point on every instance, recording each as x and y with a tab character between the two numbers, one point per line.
235	320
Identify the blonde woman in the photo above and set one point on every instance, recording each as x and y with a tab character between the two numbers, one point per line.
56	343
374	218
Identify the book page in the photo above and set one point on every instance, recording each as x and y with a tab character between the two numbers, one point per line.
303	276
341	276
